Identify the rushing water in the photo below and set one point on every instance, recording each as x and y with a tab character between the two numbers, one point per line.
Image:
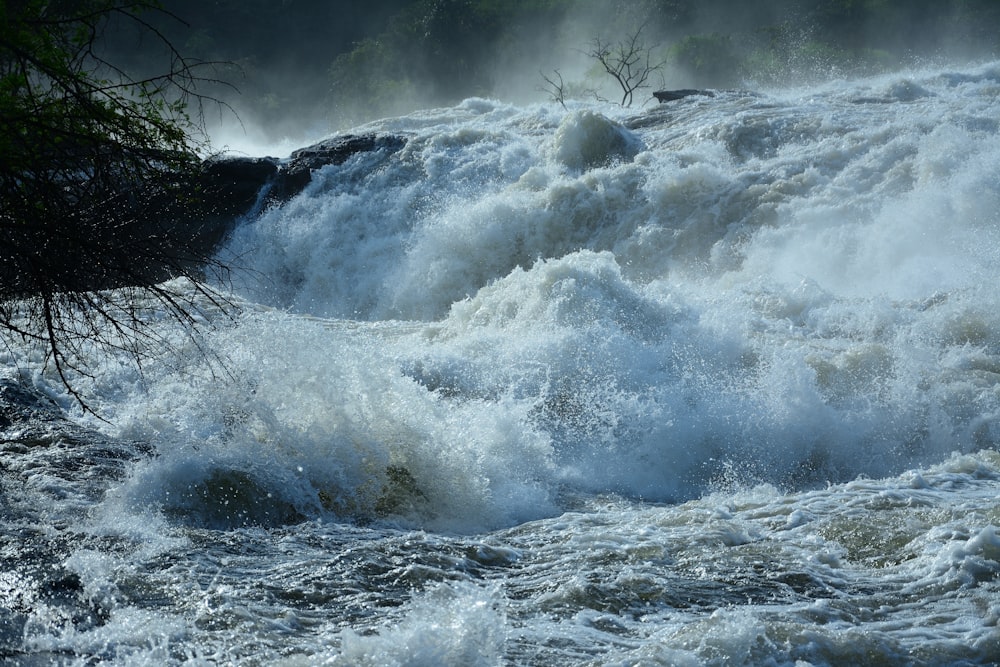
712	382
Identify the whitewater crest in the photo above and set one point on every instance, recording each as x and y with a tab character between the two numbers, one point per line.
586	139
793	286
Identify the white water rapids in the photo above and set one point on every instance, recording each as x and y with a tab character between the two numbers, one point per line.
712	382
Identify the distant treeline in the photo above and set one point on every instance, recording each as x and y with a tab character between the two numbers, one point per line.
341	63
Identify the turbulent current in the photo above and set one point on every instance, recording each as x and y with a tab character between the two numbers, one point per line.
710	382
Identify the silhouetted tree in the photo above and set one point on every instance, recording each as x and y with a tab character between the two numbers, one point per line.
555	86
629	63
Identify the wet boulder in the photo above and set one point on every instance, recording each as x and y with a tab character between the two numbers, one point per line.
671	95
230	188
232	185
295	173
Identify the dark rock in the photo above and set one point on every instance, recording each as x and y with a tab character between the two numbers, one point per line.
195	220
173	224
671	95
230	188
19	405
296	173
234	184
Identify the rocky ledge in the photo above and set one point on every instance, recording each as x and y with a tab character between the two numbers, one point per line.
234	186
192	224
170	226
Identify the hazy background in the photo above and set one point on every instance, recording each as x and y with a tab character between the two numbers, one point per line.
302	69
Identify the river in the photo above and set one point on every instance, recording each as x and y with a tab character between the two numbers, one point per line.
709	382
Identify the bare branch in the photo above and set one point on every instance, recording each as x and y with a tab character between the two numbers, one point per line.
555	87
629	62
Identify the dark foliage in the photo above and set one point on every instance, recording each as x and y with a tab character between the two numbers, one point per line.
438	51
96	205
334	64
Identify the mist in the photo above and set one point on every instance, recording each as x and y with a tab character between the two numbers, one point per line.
289	73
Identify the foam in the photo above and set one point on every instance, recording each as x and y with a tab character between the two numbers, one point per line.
791	290
452	624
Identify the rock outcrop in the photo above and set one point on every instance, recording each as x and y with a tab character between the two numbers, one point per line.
296	173
172	227
671	95
227	189
232	186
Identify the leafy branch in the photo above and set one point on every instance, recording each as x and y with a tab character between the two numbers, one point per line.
98	185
